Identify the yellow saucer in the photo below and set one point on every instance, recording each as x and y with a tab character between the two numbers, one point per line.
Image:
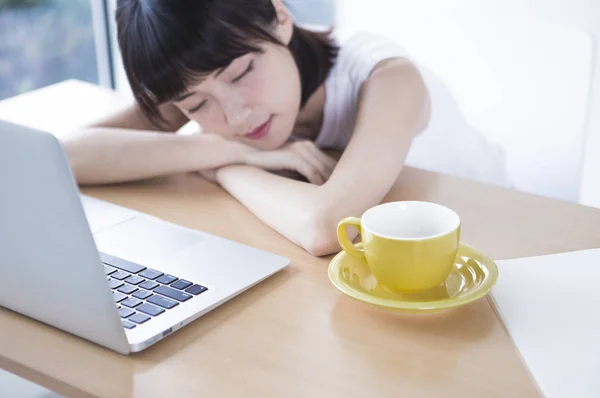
471	278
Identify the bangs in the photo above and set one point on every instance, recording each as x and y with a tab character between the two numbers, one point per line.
166	51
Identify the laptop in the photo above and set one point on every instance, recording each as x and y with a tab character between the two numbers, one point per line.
108	274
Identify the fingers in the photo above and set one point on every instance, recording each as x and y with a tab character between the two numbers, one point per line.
305	167
311	173
329	162
313	159
302	157
319	160
210	175
292	161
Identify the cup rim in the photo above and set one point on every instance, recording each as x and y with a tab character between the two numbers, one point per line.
389	204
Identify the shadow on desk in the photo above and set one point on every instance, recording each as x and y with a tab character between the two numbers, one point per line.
440	340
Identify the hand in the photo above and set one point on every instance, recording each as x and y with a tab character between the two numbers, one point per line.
302	157
210	174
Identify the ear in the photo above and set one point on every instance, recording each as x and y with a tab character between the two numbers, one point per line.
285	24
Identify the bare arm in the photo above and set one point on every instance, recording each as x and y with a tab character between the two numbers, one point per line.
392	108
127	147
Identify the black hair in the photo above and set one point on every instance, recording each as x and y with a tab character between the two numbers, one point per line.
167	44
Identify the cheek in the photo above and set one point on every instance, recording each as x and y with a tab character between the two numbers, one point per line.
276	87
211	122
259	89
289	88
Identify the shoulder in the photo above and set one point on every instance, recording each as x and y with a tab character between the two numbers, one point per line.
362	52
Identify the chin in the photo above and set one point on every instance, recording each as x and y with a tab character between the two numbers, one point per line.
269	143
272	145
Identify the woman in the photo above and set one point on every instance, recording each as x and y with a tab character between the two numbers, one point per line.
269	96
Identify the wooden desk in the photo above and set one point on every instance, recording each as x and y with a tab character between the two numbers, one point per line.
295	335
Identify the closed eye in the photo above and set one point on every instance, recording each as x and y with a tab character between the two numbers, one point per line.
197	107
248	70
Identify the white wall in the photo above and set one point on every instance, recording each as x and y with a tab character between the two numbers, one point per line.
522	72
586	15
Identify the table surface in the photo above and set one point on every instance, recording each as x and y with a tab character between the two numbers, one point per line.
294	334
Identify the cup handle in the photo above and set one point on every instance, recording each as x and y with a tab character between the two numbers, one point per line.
345	242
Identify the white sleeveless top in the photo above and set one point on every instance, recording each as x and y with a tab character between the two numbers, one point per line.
447	145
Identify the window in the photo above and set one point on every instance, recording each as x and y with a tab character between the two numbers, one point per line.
312	12
43	42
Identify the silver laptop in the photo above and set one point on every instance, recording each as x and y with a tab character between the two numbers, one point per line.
111	275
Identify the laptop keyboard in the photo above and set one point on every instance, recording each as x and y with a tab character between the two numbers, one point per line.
142	293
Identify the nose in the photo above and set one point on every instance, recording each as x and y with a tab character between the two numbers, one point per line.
235	110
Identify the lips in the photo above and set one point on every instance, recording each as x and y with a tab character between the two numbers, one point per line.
261	131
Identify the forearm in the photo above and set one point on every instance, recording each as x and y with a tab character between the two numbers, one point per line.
111	155
290	207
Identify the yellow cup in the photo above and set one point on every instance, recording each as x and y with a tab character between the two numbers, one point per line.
409	246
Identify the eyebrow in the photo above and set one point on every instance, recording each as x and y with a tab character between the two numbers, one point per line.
187	95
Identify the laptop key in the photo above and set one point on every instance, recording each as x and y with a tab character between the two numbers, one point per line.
162	301
113	283
150	274
127	289
127	324
150	309
109	270
120	275
149	285
119	297
139	318
172	293
142	294
121	264
196	289
131	302
181	284
126	312
134	280
166	279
